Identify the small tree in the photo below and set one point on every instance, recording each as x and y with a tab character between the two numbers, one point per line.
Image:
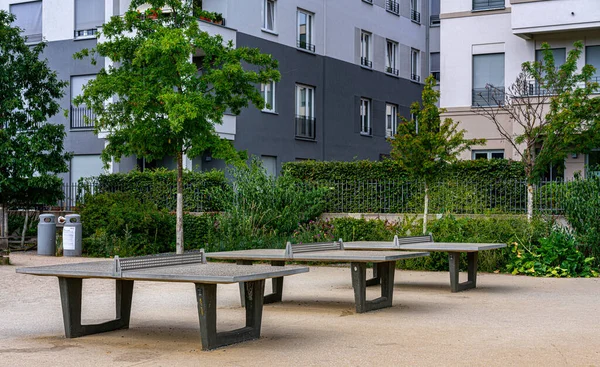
31	150
552	111
164	104
426	143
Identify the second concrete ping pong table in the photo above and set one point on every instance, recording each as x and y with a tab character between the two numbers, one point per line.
385	261
187	267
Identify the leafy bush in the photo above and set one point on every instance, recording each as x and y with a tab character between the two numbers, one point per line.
15	224
556	256
119	224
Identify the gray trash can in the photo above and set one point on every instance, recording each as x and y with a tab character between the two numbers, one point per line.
72	235
46	237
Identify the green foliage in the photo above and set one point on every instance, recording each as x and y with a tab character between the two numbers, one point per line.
15	225
556	256
31	148
260	206
119	224
582	209
159	187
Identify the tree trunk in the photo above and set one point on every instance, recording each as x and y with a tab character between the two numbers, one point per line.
2	229
425	209
179	225
4	224
529	202
24	229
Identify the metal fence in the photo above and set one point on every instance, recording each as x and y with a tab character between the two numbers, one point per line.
374	196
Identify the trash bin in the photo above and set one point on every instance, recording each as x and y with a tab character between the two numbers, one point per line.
46	237
72	235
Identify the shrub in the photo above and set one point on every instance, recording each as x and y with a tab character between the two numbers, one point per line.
555	256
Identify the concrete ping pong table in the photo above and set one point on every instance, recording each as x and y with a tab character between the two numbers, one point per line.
188	267
384	261
425	243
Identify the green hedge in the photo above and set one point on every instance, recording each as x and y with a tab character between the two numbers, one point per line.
159	187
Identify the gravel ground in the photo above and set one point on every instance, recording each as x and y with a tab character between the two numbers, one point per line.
506	321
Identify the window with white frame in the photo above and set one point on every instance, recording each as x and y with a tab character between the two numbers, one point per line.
488	80
89	15
415	11
365	116
487	154
434	65
305	31
391	54
305	112
267	91
28	17
391	120
269	15
365	49
415	65
82	117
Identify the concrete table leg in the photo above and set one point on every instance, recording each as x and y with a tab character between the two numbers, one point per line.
206	295
277	284
375	280
454	261
386	273
70	297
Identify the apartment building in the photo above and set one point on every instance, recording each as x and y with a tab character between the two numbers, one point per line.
486	41
349	68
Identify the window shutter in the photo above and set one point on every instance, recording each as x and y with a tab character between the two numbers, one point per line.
29	19
89	14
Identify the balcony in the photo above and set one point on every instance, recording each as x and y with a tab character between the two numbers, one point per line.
392	7
32	38
533	88
415	16
415	77
366	62
486	97
82	118
391	70
488	4
558	16
305	46
305	128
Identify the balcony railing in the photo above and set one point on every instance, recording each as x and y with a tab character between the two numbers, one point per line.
33	38
488	4
86	33
368	131
533	88
415	77
436	75
82	118
391	70
392	6
305	46
434	20
305	127
366	62
415	16
485	97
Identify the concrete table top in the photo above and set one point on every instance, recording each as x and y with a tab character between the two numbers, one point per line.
322	256
425	246
211	273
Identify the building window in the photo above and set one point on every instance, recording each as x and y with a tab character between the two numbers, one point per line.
392	6
82	117
593	163
415	65
269	18
434	65
487	154
391	54
592	57
29	19
488	4
391	120
89	15
305	112
269	164
488	80
305	31
267	91
559	55
365	116
434	17
415	14
365	49
85	166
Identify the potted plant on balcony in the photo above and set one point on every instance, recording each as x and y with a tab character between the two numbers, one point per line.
218	18
152	13
206	16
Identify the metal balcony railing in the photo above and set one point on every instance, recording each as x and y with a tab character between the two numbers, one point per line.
485	97
305	46
305	127
488	4
436	75
366	62
78	118
415	77
33	38
86	33
434	20
415	16
391	70
392	6
366	131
